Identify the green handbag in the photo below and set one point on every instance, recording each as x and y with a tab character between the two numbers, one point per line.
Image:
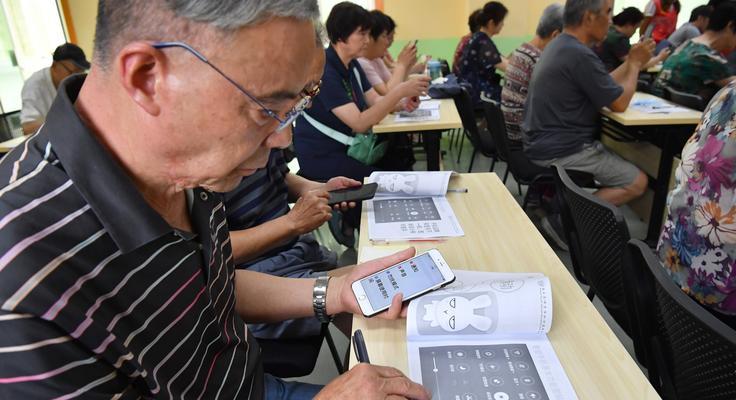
363	147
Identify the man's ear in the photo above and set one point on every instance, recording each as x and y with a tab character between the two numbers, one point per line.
141	69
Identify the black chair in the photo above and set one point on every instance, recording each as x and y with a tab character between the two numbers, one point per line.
684	99
481	140
288	358
597	235
690	353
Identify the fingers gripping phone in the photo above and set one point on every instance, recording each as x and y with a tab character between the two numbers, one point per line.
356	193
413	277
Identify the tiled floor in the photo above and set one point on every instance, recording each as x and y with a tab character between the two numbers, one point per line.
325	369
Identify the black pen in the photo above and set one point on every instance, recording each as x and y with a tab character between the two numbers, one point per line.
361	352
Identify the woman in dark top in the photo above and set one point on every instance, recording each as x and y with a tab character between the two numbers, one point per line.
347	103
615	47
481	57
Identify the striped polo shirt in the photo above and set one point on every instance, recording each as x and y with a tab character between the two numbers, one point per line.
259	198
99	296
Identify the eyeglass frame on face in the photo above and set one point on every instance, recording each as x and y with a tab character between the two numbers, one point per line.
307	94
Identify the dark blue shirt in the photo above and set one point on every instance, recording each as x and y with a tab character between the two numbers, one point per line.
261	197
478	66
339	87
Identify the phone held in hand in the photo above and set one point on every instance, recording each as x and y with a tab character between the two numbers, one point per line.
355	193
413	277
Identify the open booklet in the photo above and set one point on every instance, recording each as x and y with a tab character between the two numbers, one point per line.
411	205
427	111
484	337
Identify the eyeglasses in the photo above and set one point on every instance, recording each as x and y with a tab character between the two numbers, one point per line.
307	95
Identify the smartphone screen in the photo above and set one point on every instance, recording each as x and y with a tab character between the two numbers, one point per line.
409	277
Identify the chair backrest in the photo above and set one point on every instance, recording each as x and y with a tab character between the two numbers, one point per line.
688	100
597	243
481	141
497	127
691	354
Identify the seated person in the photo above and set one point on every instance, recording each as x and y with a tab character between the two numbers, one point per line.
697	245
699	18
568	88
698	66
481	57
474	26
347	103
615	48
381	37
39	90
519	71
660	19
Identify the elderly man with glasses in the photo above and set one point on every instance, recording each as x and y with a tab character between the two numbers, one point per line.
117	267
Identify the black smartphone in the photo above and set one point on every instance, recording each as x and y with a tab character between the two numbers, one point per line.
356	193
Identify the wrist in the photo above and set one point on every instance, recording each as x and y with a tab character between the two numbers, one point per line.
334	288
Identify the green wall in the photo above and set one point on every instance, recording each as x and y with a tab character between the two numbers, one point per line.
445	48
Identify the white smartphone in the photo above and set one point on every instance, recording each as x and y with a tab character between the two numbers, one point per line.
413	277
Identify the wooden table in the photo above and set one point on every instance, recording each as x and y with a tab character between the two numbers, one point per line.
430	130
669	132
500	237
10	144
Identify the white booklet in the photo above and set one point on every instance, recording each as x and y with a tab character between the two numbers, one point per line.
411	205
484	337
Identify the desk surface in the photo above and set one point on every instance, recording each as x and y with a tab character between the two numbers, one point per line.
505	240
10	144
655	69
632	117
449	119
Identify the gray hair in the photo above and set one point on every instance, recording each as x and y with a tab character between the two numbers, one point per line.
550	21
122	21
575	10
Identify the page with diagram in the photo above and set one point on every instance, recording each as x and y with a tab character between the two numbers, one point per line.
411	205
484	337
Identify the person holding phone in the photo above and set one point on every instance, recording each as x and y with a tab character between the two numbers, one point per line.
480	58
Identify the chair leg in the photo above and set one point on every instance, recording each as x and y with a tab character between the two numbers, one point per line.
506	175
333	349
472	158
526	201
591	294
493	164
462	141
518	186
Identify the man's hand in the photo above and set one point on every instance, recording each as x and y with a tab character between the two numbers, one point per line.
373	383
411	103
341	182
309	212
415	86
641	53
340	297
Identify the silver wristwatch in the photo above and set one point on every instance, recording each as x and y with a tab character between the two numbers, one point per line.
319	299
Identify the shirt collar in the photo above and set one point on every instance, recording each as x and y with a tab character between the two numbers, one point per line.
98	177
334	60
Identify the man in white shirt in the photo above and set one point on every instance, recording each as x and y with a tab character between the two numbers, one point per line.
39	90
698	22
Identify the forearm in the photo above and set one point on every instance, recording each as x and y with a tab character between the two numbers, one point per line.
250	243
32	126
397	76
626	75
299	185
267	298
376	112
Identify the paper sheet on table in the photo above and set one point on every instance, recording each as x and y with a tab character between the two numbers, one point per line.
656	106
424	97
418	116
406	218
484	337
429	105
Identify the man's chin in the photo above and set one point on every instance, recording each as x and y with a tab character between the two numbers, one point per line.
229	183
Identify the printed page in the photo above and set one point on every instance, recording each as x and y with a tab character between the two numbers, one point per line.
418	115
411	218
656	106
409	183
481	304
523	367
429	105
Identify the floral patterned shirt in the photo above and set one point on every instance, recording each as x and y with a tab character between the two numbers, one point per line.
698	241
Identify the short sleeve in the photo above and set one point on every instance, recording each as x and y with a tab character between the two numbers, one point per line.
364	82
333	92
370	72
489	54
598	86
31	110
650	9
